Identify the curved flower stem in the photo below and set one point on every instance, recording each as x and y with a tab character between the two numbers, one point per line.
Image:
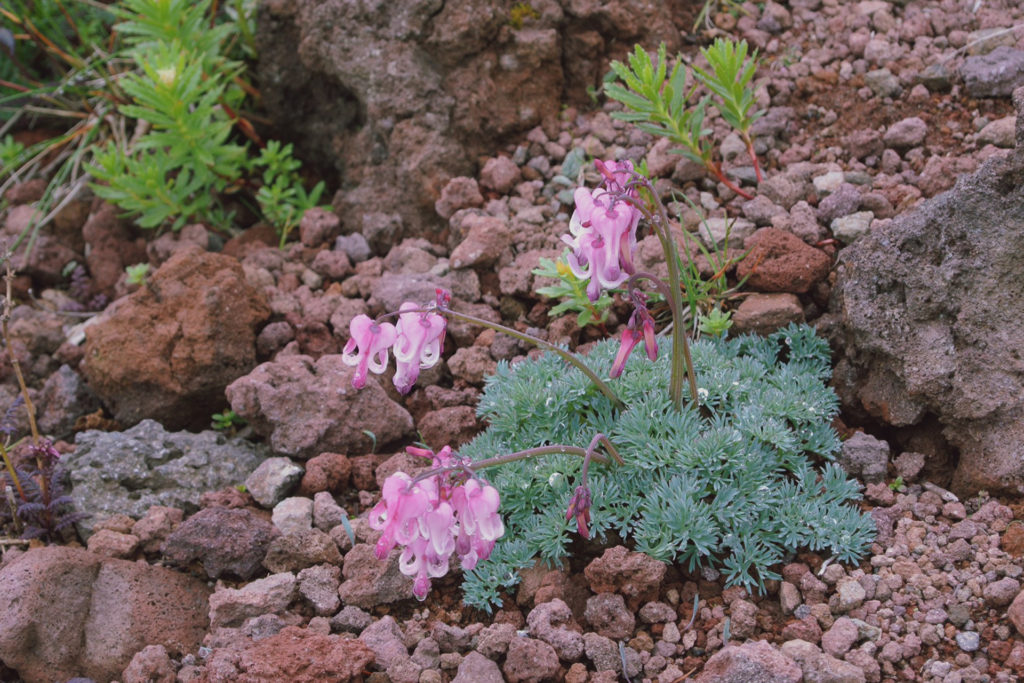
681	359
601	385
589	453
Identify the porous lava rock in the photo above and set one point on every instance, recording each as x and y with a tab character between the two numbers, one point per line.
929	313
127	472
294	654
223	540
167	351
410	94
68	612
306	407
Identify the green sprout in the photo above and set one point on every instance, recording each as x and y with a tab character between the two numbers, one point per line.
136	275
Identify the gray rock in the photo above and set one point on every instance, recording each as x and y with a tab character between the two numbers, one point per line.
848	229
907	133
293	515
883	83
64	398
270	595
819	667
995	74
273	480
716	233
319	586
355	246
1000	133
864	456
476	668
350	619
968	641
844	200
936	77
930	337
127	472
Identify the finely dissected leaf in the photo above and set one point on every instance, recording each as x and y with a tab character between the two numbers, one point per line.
736	490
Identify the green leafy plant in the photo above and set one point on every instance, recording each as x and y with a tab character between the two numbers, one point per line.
228	421
572	291
729	79
897	484
283	198
520	12
137	274
732	488
659	100
715	323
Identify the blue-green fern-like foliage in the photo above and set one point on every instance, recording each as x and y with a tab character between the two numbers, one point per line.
736	490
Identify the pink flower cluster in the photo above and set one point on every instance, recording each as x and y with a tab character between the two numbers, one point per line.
416	340
603	230
434	516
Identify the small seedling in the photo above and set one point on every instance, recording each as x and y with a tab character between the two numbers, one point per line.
136	275
228	421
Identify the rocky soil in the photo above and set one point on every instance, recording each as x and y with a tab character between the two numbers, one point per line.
183	574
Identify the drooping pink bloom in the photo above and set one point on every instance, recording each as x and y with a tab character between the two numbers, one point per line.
402	505
435	515
480	524
373	339
418	342
603	231
640	325
579	507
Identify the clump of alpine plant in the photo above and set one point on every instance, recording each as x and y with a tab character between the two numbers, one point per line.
709	448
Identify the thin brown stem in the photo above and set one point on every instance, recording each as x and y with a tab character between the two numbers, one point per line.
570	358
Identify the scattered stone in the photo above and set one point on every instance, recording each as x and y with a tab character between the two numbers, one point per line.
819	667
223	540
995	74
293	515
781	262
865	457
848	228
273	480
1001	133
294	402
168	351
530	661
753	661
906	133
296	551
635	576
838	639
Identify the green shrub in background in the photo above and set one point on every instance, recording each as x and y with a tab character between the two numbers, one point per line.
736	489
158	127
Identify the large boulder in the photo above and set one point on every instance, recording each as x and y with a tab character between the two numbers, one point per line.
167	351
127	472
305	407
930	326
408	94
69	613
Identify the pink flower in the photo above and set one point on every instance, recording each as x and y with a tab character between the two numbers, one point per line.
398	513
434	515
631	336
373	340
480	524
603	231
419	337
